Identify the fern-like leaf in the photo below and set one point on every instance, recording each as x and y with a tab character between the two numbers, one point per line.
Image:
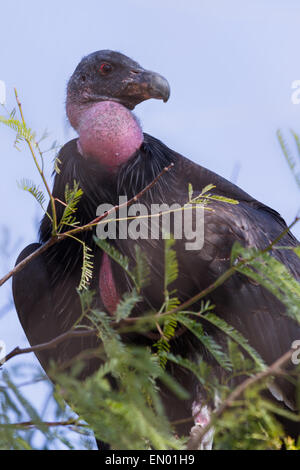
34	190
270	273
125	306
163	344
72	198
114	254
171	264
236	336
210	344
57	163
21	129
87	268
201	371
141	272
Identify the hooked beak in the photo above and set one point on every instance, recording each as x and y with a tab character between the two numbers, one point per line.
143	85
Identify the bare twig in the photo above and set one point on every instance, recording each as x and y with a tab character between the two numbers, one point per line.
124	204
27	260
31	424
50	344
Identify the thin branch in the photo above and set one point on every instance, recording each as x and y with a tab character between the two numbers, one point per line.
27	260
54	220
48	345
25	384
273	369
124	204
62	236
31	424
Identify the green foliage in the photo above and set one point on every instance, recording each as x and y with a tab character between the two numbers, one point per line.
126	305
205	196
170	302
251	424
273	275
32	188
72	198
68	219
199	368
87	267
141	271
22	131
236	336
130	415
135	274
57	162
208	341
171	265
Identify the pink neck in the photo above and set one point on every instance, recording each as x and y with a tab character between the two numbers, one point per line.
108	132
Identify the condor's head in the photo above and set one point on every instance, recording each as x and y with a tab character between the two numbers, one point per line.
103	90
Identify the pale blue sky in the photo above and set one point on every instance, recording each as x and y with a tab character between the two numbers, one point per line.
230	66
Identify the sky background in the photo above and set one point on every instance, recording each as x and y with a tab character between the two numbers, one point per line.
230	65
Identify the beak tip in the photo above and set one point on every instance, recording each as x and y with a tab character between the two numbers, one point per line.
160	87
167	97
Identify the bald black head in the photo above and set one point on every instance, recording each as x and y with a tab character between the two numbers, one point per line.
111	76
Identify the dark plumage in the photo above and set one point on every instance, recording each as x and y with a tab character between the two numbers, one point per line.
44	292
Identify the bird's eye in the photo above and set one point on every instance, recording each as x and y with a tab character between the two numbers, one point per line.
83	78
105	68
